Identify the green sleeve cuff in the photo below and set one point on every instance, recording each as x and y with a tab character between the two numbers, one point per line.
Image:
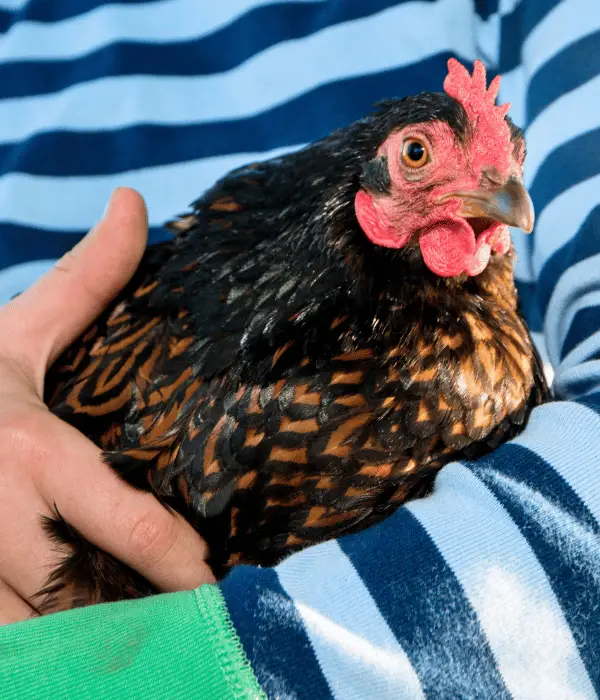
177	645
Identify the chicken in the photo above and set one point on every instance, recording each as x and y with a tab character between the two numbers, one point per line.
324	332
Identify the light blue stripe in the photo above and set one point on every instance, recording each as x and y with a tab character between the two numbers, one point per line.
513	89
170	20
17	278
570	116
487	35
168	190
586	349
506	585
522	268
357	651
566	436
577	288
269	78
12	5
583	301
505	7
562	218
564	24
577	382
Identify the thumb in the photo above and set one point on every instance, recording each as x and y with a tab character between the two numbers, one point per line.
60	305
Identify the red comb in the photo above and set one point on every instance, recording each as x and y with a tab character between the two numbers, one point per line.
492	142
471	90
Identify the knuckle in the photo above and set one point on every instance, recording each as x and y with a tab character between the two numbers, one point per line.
153	537
66	263
22	437
70	265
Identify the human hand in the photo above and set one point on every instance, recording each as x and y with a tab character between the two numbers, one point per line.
46	463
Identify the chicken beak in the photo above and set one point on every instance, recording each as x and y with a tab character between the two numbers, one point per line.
510	204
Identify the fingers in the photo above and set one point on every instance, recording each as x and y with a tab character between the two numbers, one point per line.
27	555
130	524
12	607
54	311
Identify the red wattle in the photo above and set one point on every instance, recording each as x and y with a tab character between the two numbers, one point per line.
375	222
448	248
451	248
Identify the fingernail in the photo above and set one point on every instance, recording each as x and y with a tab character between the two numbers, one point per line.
110	201
91	232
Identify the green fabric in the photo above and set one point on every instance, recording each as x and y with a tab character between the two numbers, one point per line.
177	645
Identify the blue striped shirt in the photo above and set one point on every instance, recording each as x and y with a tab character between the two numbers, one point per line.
490	587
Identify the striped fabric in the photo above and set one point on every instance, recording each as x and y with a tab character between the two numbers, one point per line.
489	588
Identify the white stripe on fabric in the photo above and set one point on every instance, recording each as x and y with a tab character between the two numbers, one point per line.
504	582
169	20
262	82
573	458
576	289
564	24
168	190
562	219
357	651
571	115
16	279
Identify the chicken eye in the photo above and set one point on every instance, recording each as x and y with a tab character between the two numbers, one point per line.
414	153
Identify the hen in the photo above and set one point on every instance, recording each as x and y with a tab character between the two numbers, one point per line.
323	333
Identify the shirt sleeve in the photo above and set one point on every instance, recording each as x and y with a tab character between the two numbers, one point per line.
175	646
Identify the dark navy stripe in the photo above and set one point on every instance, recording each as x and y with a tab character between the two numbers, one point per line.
45	11
572	569
330	106
592	401
245	37
516	26
6	20
582	327
583	245
511	39
579	387
426	609
569	164
521	465
20	244
534	12
273	635
528	305
486	8
569	69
